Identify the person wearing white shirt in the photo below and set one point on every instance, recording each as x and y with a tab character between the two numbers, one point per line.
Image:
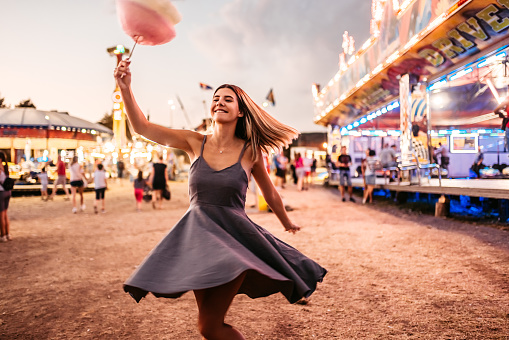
43	178
444	155
100	186
77	183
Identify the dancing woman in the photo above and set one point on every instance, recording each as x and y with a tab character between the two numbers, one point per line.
215	250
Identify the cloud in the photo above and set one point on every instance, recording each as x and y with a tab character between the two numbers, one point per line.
285	44
251	33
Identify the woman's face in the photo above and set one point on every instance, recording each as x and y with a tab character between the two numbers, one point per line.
225	106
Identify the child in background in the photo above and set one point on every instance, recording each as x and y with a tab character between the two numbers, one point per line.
100	186
139	186
43	178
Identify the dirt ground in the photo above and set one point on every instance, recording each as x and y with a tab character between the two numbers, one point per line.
392	274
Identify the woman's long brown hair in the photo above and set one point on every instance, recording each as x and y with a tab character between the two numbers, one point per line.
259	128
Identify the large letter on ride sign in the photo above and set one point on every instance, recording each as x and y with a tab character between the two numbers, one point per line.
493	20
434	57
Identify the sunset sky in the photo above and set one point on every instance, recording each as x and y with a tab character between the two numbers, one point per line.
54	52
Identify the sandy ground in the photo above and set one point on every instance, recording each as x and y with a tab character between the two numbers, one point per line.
392	275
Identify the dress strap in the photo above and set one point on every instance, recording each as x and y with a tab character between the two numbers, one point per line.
202	145
242	152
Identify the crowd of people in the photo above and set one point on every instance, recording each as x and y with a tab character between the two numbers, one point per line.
155	187
302	170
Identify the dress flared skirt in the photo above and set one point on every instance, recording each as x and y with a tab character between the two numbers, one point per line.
212	245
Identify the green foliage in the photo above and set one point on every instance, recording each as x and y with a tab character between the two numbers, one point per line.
26	103
107	121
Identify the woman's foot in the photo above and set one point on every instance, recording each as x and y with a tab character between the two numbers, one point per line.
95	210
74	210
3	239
8	237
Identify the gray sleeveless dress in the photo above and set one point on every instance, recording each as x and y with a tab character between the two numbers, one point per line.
215	242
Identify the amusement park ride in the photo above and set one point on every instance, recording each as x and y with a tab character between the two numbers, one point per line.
119	120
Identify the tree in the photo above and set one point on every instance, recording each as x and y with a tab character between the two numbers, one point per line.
26	103
107	120
2	103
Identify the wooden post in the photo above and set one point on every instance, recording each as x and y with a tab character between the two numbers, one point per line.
442	207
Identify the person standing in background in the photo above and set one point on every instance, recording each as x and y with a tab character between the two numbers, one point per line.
477	166
43	178
77	184
100	186
158	180
299	170
313	170
281	163
120	169
343	163
61	179
370	175
5	196
444	156
306	164
388	159
139	189
502	110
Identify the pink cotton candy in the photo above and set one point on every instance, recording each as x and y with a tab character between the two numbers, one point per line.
144	24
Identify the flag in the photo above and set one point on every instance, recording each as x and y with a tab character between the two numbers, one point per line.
205	86
270	98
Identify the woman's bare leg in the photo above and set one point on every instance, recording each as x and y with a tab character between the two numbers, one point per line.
213	303
66	190
6	223
157	201
4	229
73	193
154	198
81	195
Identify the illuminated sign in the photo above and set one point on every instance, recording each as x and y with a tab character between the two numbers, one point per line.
491	20
466	143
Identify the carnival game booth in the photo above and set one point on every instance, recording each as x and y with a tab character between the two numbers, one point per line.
432	72
37	137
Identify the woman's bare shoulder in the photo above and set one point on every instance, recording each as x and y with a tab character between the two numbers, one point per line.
249	155
195	140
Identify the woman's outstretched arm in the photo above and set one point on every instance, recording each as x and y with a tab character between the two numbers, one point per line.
271	195
186	140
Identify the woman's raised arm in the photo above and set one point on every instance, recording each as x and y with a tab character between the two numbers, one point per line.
186	140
